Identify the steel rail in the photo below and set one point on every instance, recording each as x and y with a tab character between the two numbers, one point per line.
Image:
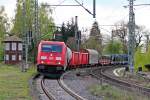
34	89
68	90
63	86
120	83
47	93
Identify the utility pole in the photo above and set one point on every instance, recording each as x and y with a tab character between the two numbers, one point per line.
94	8
36	28
36	24
25	40
76	33
131	36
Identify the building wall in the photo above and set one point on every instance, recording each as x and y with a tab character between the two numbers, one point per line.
13	52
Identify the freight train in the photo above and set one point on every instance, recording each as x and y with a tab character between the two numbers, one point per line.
55	57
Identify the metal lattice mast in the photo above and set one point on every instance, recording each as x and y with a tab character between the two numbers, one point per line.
25	41
35	28
131	36
36	24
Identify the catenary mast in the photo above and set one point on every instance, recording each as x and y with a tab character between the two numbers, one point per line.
131	36
24	39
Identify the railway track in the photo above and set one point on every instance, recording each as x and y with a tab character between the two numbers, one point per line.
54	89
123	84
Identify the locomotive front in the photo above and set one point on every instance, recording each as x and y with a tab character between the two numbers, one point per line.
52	57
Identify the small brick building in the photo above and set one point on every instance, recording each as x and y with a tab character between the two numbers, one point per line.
13	50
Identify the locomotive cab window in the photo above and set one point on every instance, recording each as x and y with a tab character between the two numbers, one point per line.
51	48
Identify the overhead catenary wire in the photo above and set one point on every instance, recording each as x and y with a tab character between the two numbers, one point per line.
59	4
83	7
138	5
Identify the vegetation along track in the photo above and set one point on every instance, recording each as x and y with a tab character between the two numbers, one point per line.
101	74
54	89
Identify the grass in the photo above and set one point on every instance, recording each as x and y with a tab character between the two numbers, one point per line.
14	84
108	92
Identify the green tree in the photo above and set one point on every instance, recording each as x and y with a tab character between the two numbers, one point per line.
92	43
2	23
95	31
24	18
95	40
68	34
46	22
17	22
113	47
64	32
68	30
25	21
3	29
120	32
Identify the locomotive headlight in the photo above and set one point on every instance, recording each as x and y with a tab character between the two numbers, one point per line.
42	62
59	63
58	58
43	57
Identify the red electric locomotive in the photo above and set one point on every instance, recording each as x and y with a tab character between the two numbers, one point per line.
53	57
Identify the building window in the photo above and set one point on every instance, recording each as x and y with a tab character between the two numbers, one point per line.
20	46
20	57
13	57
14	46
6	57
7	46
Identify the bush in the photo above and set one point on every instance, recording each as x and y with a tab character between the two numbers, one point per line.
147	66
141	59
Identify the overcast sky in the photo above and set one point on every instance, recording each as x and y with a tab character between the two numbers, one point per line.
107	12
